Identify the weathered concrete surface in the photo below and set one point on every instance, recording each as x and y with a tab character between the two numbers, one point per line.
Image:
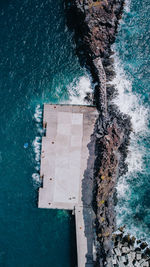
64	166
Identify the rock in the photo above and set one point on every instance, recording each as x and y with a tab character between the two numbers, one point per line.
133	240
138	256
122	228
143	245
114	261
117	252
123	259
147	251
136	264
138	249
131	256
142	261
95	27
145	264
125	250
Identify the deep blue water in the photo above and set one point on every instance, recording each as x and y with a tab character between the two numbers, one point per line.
132	63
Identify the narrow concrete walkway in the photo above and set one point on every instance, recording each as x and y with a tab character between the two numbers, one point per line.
64	158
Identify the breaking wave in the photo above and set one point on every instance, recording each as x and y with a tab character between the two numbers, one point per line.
36	144
129	204
79	89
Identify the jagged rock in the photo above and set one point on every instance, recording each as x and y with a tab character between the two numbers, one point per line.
125	250
143	245
117	252
123	259
138	249
147	251
145	264
114	261
142	261
138	256
95	27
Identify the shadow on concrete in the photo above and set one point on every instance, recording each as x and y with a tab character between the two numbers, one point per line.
88	200
73	244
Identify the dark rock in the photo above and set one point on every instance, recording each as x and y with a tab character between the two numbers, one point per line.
147	251
138	249
95	24
143	245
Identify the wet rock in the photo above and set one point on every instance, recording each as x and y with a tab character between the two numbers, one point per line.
117	251
95	27
145	264
125	250
143	245
147	251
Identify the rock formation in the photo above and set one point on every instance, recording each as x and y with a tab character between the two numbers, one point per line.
95	23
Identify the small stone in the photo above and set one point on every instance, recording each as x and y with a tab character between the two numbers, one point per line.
117	252
132	255
137	250
145	264
137	264
120	264
125	250
141	261
123	258
114	261
147	251
121	228
143	245
133	240
138	256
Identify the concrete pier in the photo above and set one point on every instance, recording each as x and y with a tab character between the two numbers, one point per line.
64	158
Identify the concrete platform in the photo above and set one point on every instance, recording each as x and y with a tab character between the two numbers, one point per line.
64	158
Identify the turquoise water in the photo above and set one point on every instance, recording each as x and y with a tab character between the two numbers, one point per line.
38	64
132	63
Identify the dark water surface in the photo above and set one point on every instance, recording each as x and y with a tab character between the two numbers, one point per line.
37	63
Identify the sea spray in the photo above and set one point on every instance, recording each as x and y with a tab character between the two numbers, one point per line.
131	104
79	89
36	144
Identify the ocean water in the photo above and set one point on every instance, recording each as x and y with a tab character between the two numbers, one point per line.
132	61
38	64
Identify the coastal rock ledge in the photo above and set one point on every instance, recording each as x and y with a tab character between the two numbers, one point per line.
95	25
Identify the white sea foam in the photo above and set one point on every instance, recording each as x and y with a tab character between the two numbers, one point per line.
78	90
36	178
130	103
37	148
36	144
127	6
38	114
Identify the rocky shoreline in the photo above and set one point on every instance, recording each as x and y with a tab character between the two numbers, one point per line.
127	251
95	24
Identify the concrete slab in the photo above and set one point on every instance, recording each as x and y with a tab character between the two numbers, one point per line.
64	160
